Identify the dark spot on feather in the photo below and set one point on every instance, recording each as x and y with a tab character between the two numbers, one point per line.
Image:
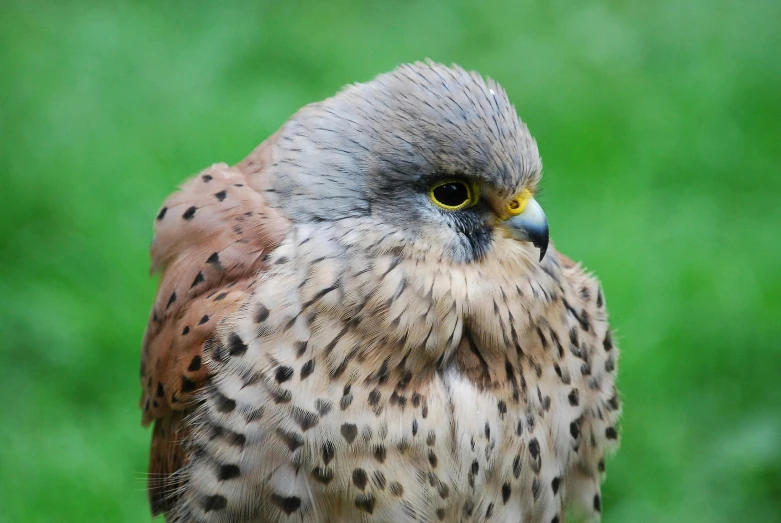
349	431
236	346
261	313
517	467
534	448
379	479
293	440
288	505
222	402
396	488
574	397
365	502
283	374
195	364
307	369
359	478
346	401
536	489
162	212
305	419
323	475
613	403
574	430
214	259
416	399
608	342
506	492
187	384
189	213
323	406
254	414
215	502
328	452
198	279
543	340
221	195
374	397
226	472
281	396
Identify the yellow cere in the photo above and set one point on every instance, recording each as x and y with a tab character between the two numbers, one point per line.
518	203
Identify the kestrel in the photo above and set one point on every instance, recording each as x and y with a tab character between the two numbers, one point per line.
363	321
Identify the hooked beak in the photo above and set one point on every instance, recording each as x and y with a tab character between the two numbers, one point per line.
530	225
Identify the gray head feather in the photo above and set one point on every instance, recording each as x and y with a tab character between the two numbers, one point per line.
374	149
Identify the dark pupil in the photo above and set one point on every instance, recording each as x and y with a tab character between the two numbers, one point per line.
451	194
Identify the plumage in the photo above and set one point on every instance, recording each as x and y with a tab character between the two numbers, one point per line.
329	344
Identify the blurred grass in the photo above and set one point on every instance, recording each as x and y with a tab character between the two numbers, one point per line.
660	127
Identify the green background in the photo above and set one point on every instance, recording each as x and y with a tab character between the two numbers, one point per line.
660	127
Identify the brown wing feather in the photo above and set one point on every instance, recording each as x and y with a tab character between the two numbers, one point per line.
210	241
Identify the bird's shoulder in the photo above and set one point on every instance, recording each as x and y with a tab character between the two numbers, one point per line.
211	238
587	377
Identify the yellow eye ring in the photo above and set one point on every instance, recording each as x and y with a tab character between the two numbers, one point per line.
454	195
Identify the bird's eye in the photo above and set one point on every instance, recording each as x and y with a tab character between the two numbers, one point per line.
453	195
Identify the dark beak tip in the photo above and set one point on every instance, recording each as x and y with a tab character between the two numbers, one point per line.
536	233
541	241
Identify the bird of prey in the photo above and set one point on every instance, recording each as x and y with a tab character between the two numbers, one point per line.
363	321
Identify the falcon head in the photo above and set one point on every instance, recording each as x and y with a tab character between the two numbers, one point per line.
431	159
